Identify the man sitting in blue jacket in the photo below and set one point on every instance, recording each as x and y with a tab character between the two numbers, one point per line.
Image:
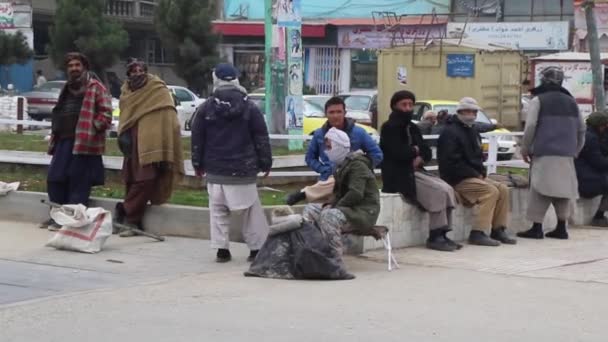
592	166
316	159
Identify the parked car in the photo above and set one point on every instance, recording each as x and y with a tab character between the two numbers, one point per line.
363	101
189	103
41	100
506	144
318	100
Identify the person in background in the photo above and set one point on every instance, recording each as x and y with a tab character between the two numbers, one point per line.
230	144
355	206
461	159
429	120
150	140
405	153
592	166
553	138
40	79
80	120
316	159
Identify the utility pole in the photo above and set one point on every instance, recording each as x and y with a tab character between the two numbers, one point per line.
268	84
594	50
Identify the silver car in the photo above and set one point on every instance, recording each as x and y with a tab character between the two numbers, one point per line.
42	100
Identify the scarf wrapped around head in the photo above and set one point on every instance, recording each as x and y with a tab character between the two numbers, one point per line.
340	145
597	119
136	82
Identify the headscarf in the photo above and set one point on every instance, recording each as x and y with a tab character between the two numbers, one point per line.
340	145
136	82
597	119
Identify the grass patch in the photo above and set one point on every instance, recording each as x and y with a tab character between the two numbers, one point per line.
514	170
36	143
34	179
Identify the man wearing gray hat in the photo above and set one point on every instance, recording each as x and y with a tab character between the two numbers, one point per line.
553	137
461	159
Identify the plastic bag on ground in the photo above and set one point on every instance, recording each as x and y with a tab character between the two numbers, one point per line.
5	188
298	254
83	230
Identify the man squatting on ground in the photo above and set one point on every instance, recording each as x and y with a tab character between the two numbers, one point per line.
78	136
355	206
230	143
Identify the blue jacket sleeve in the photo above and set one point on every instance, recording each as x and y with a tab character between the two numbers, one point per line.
313	155
261	139
198	128
372	149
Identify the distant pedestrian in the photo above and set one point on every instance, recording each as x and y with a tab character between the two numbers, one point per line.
553	137
40	79
427	122
230	144
149	138
78	136
461	165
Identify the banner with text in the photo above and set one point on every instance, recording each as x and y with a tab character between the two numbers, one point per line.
538	36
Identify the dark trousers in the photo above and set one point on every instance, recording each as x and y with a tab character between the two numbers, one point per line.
136	200
73	191
71	177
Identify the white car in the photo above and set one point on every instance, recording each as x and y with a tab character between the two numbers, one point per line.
189	102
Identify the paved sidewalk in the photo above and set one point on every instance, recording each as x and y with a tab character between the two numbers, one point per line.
536	291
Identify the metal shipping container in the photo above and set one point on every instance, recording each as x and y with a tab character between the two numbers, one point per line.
490	74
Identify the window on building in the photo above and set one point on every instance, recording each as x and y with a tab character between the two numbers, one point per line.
250	62
364	73
517	8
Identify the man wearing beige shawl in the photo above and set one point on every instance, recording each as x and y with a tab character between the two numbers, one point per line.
149	137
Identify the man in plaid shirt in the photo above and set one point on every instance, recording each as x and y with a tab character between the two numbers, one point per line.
78	136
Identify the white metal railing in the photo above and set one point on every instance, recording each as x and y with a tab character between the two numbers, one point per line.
492	162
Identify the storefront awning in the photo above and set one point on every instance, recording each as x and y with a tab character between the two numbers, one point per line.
256	29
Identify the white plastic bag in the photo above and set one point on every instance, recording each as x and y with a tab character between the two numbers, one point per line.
5	188
83	230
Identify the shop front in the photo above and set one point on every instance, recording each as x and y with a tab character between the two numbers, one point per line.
361	39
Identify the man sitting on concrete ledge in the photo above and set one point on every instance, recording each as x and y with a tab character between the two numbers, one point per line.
592	167
461	165
405	153
356	203
335	110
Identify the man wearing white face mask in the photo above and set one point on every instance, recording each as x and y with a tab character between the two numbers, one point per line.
461	165
356	203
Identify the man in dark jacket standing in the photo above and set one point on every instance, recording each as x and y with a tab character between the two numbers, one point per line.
405	153
461	165
553	137
316	159
356	203
592	166
78	136
230	144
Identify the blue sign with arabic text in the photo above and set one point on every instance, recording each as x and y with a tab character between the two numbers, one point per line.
461	65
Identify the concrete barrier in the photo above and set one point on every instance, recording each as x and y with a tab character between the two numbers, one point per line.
408	224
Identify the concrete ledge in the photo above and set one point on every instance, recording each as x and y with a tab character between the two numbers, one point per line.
408	225
169	220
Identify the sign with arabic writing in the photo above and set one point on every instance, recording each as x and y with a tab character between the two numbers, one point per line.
6	15
537	36
460	65
372	37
